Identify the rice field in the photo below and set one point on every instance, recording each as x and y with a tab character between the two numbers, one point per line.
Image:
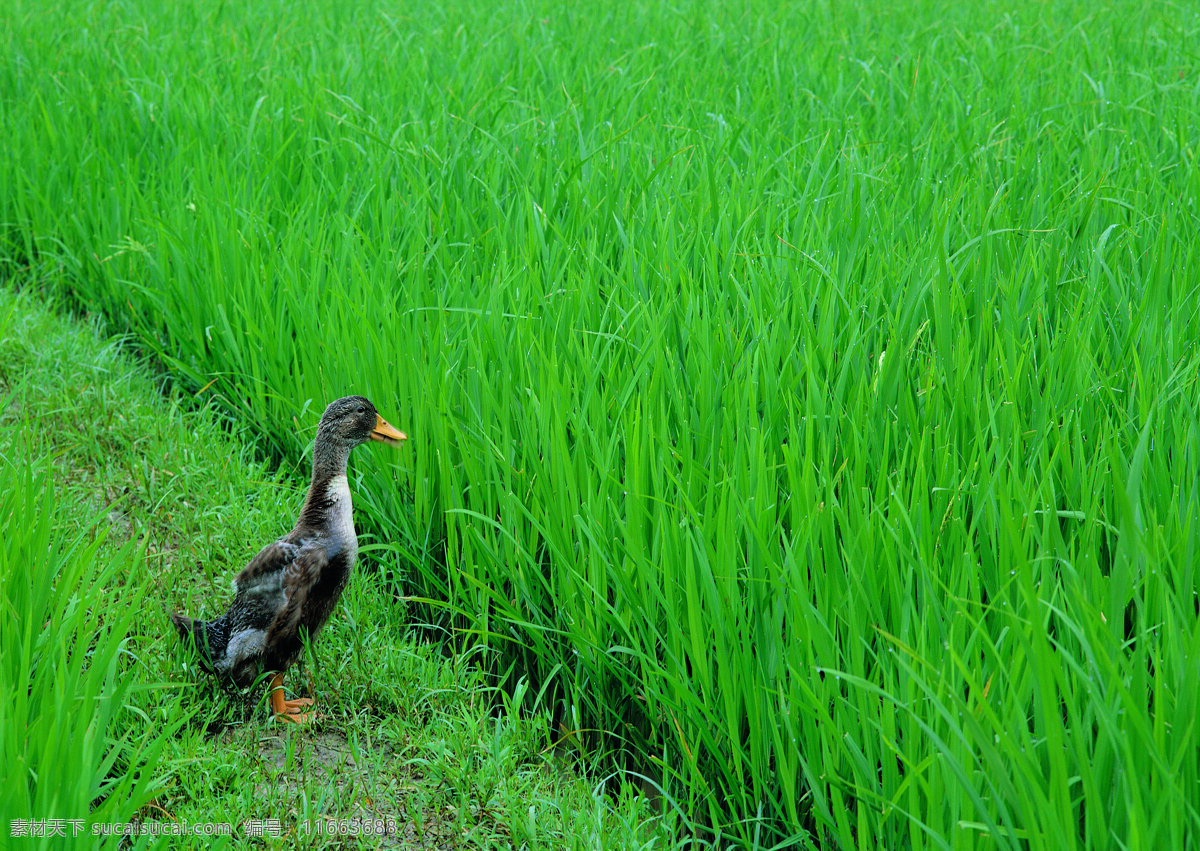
802	397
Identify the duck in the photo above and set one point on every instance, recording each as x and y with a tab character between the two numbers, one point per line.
291	587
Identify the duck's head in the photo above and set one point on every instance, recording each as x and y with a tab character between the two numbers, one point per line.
353	420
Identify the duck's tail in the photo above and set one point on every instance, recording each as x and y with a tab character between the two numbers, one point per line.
192	630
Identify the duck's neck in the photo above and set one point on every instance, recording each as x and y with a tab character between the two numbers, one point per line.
328	474
329	458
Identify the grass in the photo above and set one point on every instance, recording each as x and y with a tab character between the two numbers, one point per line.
116	505
802	398
71	746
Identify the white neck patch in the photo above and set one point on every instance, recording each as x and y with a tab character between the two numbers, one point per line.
341	512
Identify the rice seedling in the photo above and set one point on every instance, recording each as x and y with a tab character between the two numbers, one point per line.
68	737
803	398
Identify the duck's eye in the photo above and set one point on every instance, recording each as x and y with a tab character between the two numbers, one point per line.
361	409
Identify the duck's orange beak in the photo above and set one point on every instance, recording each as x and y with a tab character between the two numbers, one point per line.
385	432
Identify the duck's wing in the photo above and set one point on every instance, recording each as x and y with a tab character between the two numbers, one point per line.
298	579
236	639
270	593
265	571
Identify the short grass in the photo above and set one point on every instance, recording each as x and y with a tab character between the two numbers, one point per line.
116	505
802	396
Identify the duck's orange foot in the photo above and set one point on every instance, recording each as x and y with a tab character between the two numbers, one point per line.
299	718
289	710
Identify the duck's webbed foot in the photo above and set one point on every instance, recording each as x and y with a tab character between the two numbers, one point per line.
289	711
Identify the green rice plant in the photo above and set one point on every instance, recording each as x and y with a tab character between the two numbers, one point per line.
803	398
74	755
